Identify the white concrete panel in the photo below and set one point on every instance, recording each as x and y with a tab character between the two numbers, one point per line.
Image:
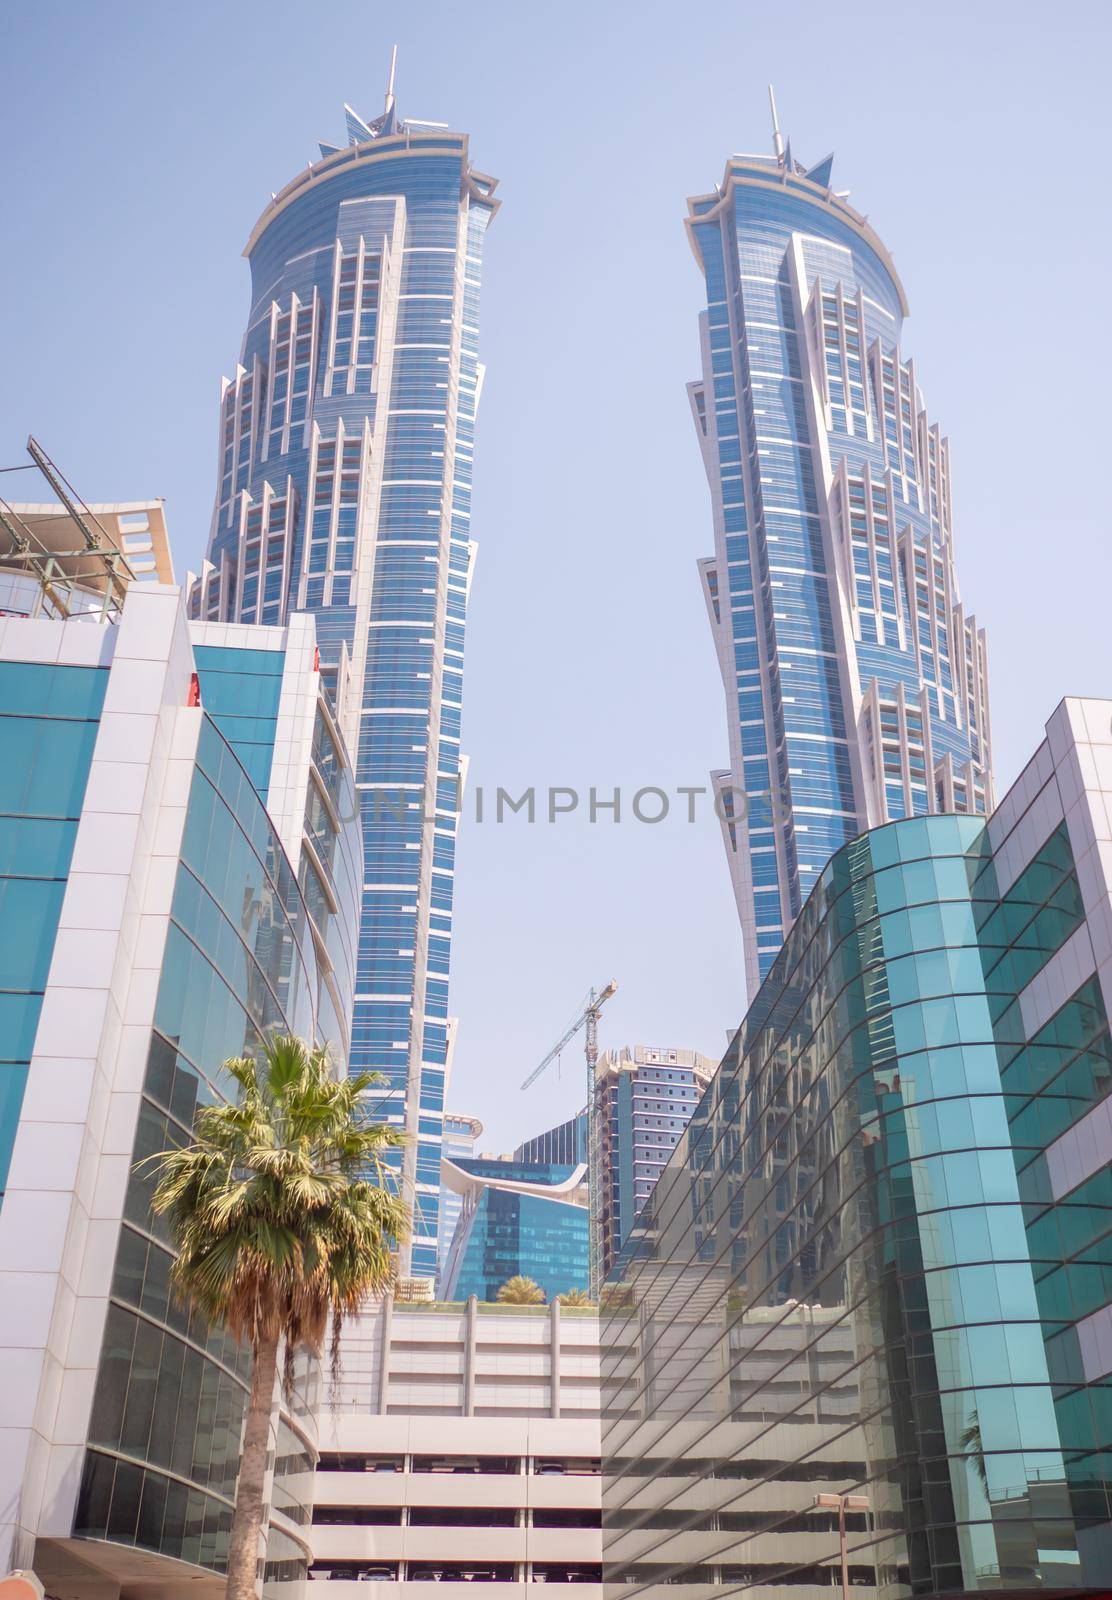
116	786
61	1482
1097	715
136	686
87	1328
86	645
94	900
71	1022
99	1257
105	842
119	1128
45	1155
126	737
33	1227
131	1058
146	630
83	958
50	1388
61	1092
31	639
19	1391
113	1172
162	872
26	1308
75	1401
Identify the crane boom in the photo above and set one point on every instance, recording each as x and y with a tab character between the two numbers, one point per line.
588	1017
595	1002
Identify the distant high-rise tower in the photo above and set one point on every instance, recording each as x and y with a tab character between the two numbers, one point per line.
644	1098
856	683
460	1133
346	442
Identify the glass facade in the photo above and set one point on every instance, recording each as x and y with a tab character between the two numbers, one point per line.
854	1277
240	960
505	1231
331	878
346	447
48	725
565	1144
856	684
240	690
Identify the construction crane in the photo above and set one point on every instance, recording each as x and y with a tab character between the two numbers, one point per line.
596	999
587	1018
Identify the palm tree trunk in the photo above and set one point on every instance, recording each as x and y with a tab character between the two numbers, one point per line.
243	1550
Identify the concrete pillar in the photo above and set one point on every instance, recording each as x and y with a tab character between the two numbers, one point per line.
384	1353
554	1362
470	1331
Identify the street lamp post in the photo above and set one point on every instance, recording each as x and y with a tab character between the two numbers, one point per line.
842	1503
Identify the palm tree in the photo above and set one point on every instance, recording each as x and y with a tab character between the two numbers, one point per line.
575	1297
519	1291
283	1226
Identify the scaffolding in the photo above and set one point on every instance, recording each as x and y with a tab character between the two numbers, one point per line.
74	557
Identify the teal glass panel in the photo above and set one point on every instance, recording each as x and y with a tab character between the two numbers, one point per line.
29	911
48	726
35	847
13	1081
240	691
44	766
28	689
19	1021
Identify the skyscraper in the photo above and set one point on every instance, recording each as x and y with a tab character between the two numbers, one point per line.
644	1098
460	1133
346	439
856	683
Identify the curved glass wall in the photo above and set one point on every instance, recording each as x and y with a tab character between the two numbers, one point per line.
48	725
503	1233
240	691
240	961
331	877
852	1279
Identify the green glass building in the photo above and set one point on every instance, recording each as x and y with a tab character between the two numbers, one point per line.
872	1286
517	1218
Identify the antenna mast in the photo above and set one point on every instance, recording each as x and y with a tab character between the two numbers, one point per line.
777	138
389	106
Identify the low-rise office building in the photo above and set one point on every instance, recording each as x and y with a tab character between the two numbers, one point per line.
462	1449
871	1288
524	1219
180	862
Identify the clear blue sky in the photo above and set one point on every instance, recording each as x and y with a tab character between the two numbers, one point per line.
142	141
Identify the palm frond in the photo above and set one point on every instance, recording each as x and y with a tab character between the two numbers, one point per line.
280	1209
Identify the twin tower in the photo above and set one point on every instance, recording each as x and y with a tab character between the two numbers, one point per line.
855	681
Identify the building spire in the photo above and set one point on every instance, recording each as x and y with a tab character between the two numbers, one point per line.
777	137
389	106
